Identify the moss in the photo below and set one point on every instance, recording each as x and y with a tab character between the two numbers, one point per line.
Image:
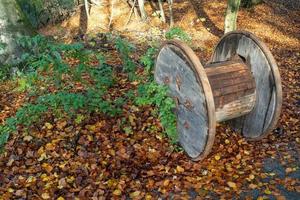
43	12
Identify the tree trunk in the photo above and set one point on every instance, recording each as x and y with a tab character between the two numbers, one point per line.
162	13
170	2
231	15
142	9
12	25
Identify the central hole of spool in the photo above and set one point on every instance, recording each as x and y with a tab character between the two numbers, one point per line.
233	88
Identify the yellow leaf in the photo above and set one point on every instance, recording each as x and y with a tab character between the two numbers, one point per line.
246	152
90	138
91	128
45	195
148	197
50	147
251	176
47	167
217	157
10	190
227	141
229	168
267	191
60	198
135	194
231	184
70	179
62	165
166	182
61	125
27	138
48	126
42	157
179	169
41	151
252	186
117	192
45	178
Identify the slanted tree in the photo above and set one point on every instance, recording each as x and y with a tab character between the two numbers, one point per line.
12	25
231	15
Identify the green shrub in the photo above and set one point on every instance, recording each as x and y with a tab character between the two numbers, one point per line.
125	49
177	33
157	95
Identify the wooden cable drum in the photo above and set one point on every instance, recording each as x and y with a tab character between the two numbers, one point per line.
241	85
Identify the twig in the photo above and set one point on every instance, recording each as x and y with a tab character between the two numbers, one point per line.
86	5
111	15
131	11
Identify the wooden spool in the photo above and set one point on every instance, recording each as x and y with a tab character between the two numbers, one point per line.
240	85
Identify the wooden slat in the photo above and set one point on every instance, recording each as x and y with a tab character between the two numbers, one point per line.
233	97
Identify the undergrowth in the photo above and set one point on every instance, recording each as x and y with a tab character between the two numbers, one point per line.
50	72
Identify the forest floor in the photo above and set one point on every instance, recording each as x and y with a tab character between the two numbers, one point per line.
104	163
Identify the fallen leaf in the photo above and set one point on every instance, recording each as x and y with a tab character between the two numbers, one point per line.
231	184
10	162
47	167
50	147
135	194
62	183
45	195
117	192
166	182
217	157
251	176
288	170
48	126
179	169
252	186
27	138
267	191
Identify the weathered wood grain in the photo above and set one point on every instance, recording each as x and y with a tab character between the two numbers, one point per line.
233	97
178	68
263	118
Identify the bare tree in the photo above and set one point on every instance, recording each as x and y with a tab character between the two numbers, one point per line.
162	13
170	2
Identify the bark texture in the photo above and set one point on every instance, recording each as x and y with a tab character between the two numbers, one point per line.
43	12
231	15
13	24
